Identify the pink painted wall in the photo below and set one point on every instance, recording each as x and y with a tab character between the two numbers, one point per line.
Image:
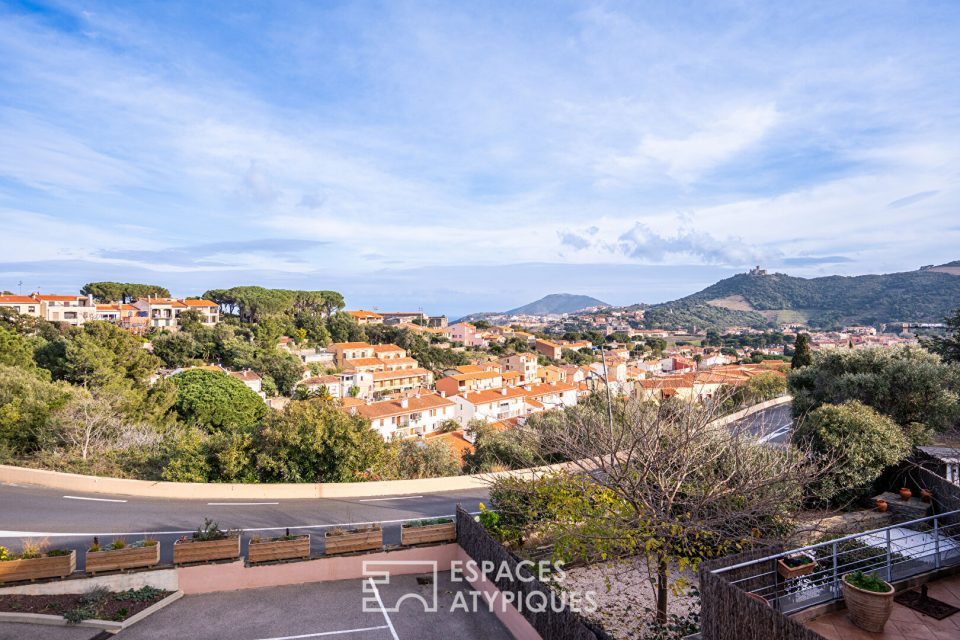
210	578
512	619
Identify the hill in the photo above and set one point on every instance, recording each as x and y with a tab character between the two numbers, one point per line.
557	303
760	300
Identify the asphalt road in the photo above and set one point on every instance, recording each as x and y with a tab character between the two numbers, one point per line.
773	425
72	520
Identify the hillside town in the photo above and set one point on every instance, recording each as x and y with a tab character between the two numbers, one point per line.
524	366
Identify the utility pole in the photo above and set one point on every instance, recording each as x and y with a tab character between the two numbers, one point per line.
606	378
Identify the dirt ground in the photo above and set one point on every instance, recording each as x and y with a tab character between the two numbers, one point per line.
623	592
109	608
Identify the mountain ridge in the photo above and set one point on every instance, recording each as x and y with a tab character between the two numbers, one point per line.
757	299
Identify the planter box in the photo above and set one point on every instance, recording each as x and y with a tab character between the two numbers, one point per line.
268	550
350	542
38	568
868	610
445	532
788	572
206	550
126	558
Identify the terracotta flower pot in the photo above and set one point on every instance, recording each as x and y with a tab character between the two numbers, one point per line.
869	610
905	494
882	506
926	495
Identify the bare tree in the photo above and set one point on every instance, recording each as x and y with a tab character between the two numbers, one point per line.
663	482
88	423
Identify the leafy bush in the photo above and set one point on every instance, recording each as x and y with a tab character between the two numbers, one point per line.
143	594
867	582
79	614
858	443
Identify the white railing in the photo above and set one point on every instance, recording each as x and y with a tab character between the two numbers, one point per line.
893	553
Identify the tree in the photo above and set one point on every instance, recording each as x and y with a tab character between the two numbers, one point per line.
411	459
217	402
122	291
184	455
910	385
343	328
26	405
948	346
103	356
177	349
662	483
802	356
17	351
190	321
862	441
87	424
315	441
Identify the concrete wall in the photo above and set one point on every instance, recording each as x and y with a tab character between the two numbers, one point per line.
210	578
166	579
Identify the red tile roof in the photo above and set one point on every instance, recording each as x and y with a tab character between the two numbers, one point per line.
415	404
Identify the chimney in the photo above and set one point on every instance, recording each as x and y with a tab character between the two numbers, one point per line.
503	391
443	394
404	403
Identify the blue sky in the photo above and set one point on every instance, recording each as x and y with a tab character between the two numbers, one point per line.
475	156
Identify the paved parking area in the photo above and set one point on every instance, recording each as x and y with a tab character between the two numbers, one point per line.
325	610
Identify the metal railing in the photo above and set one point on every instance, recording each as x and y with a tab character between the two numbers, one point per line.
893	553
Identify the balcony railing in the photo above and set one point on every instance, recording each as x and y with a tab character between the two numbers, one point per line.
893	553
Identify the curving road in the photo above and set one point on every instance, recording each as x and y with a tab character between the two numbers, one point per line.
71	520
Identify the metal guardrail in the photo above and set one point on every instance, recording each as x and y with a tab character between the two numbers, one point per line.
893	553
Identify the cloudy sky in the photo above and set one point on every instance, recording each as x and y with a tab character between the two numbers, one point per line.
474	156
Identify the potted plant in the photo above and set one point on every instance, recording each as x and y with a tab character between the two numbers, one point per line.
34	562
365	538
905	494
869	600
208	542
796	565
285	547
429	530
882	505
926	495
119	555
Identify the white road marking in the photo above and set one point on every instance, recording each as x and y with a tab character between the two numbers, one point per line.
382	499
93	499
238	504
329	633
386	616
779	431
55	534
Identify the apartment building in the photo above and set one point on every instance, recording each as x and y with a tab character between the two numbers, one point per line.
343	351
164	313
466	334
362	316
73	310
470	381
332	384
490	406
552	395
24	305
549	348
523	363
411	415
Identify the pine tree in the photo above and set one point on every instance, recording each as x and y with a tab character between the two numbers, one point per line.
802	356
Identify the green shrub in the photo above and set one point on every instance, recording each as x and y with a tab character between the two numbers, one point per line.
867	582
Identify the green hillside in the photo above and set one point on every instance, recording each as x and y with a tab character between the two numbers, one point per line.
765	300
